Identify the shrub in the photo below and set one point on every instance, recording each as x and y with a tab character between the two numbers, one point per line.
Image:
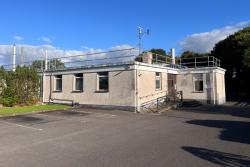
20	87
8	102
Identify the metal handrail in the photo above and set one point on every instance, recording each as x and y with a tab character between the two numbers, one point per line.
163	100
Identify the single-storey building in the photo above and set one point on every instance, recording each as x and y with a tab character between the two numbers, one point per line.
128	85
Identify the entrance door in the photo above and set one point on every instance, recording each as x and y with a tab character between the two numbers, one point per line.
172	83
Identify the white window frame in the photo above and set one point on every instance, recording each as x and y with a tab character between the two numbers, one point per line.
198	78
158	77
100	75
74	83
56	79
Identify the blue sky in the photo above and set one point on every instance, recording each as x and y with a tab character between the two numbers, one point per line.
83	24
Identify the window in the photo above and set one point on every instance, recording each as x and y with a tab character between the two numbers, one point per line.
58	83
103	81
78	83
198	82
157	80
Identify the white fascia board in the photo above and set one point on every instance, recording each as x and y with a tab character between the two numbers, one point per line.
92	70
153	67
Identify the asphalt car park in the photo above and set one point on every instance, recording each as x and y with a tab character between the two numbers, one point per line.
94	137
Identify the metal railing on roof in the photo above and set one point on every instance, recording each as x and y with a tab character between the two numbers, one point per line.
180	63
197	62
113	57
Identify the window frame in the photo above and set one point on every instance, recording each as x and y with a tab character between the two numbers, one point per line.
158	77
197	78
78	76
56	78
100	75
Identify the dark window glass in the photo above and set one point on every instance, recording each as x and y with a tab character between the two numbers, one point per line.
103	81
157	80
79	82
58	80
199	86
158	84
198	82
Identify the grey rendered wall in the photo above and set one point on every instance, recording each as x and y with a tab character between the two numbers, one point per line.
121	90
220	88
185	84
213	83
146	86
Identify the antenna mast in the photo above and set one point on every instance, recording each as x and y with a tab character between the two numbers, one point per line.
141	33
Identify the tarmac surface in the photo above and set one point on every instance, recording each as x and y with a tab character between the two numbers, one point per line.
214	136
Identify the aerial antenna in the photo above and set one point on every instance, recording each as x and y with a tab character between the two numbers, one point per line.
141	33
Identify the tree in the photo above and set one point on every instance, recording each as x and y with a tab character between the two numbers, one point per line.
19	87
2	80
193	59
52	64
159	51
190	54
234	53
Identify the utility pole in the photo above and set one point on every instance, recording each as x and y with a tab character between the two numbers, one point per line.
141	33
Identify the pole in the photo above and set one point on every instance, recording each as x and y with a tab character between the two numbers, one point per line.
46	60
14	58
140	38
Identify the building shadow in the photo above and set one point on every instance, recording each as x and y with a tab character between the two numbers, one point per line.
219	158
235	131
232	110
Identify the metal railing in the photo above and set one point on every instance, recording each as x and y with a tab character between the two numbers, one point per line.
197	62
162	102
180	63
78	61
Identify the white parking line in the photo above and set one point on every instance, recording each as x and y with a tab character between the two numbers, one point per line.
23	126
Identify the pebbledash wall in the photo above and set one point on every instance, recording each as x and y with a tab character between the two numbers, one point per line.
131	84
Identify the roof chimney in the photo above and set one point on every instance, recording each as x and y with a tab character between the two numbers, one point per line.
147	57
173	55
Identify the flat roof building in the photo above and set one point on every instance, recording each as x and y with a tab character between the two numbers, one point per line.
132	84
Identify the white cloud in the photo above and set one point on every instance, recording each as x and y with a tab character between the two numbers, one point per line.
205	41
46	39
90	56
18	38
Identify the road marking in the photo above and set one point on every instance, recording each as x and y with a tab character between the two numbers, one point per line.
105	115
23	126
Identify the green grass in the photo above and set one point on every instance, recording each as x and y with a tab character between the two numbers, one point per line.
7	111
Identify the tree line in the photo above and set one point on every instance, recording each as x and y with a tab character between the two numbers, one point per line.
19	87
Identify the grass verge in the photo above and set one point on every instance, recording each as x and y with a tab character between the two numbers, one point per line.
7	111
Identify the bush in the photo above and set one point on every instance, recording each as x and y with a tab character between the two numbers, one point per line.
8	102
20	87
